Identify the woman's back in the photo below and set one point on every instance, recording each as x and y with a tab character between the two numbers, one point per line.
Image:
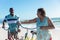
40	23
43	33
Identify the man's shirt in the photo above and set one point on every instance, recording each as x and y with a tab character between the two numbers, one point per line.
12	22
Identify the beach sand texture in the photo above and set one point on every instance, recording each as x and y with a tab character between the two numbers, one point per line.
55	33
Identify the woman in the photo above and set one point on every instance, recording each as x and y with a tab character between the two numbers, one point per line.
43	25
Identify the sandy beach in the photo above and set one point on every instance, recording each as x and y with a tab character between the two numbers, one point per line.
55	33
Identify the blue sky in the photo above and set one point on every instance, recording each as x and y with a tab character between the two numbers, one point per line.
26	9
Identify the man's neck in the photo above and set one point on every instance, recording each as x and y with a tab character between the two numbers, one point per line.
12	14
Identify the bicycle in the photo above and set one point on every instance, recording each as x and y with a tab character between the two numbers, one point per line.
26	34
12	38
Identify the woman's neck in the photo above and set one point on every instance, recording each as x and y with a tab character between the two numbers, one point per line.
41	19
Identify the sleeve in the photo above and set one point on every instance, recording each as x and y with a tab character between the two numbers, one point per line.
18	22
18	19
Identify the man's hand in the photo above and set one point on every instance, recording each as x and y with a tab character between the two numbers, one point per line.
19	30
33	32
3	26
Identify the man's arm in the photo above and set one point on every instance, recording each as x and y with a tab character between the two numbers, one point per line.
50	25
29	21
3	23
18	23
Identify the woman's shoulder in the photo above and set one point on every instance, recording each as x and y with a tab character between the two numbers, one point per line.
48	19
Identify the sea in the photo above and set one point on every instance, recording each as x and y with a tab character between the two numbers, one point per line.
55	21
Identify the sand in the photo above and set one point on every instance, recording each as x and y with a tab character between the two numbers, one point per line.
55	33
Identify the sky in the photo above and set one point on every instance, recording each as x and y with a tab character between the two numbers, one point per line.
27	9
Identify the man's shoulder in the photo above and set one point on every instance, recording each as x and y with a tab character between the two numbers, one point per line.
16	16
7	15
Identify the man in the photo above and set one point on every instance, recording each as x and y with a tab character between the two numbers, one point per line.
13	22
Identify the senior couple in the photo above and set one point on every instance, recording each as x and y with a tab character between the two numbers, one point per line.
43	24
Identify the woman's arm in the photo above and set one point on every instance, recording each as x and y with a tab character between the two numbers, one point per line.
29	21
50	25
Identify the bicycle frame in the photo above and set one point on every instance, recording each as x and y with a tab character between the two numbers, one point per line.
26	37
26	34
